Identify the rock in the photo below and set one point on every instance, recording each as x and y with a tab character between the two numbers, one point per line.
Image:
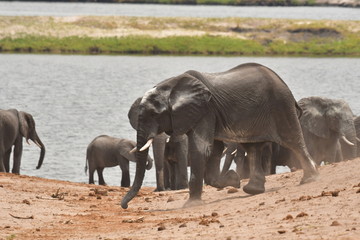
302	214
335	223
288	217
232	190
161	227
183	225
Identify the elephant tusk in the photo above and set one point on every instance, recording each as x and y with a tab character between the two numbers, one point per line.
37	144
357	139
234	152
147	145
167	140
347	141
27	141
133	150
225	150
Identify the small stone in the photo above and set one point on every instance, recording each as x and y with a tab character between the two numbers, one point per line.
302	214
7	226
170	199
288	217
280	200
335	223
262	203
146	208
221	226
26	201
98	197
214	214
232	190
147	199
358	191
38	229
102	192
183	225
161	227
281	231
92	194
82	198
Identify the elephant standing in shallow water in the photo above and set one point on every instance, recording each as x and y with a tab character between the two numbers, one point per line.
105	151
14	125
249	104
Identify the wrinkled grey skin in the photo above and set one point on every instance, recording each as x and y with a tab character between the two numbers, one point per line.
324	121
248	104
170	170
105	151
14	125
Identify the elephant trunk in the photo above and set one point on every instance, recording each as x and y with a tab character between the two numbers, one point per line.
149	163
38	142
141	159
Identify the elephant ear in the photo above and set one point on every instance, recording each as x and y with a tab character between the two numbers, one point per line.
313	118
188	100
125	146
27	124
133	113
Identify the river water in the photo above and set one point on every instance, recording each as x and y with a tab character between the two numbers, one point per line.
73	99
14	8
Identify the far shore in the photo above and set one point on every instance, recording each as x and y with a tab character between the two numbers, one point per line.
179	36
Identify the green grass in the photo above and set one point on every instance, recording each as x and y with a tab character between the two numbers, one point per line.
204	45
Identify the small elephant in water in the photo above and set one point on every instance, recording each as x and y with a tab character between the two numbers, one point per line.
14	125
105	151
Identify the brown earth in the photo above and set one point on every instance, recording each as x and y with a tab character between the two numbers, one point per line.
37	208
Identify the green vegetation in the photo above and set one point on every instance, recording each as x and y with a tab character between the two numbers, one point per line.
179	36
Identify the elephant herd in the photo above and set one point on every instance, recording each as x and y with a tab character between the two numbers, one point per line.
247	114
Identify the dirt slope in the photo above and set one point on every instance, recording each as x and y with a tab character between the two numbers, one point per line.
36	208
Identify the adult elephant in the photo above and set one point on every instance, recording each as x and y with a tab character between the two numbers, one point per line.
328	129
170	167
14	125
249	104
105	151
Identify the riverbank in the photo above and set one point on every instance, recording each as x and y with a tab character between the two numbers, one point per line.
179	36
38	208
336	3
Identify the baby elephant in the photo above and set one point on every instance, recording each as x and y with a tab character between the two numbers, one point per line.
105	151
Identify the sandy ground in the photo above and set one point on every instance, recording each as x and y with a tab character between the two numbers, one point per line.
37	208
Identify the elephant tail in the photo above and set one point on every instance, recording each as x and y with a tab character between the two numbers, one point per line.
299	110
86	161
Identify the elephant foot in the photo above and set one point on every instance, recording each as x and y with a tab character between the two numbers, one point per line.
309	178
231	178
254	188
193	203
159	189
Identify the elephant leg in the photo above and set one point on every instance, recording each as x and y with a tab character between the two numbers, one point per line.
256	183
172	175
17	156
100	176
91	175
339	156
181	173
212	172
2	167
167	175
7	160
125	175
158	151
266	158
242	167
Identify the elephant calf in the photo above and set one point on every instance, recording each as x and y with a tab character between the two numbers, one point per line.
105	151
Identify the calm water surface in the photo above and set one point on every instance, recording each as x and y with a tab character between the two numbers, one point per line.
14	8
75	98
